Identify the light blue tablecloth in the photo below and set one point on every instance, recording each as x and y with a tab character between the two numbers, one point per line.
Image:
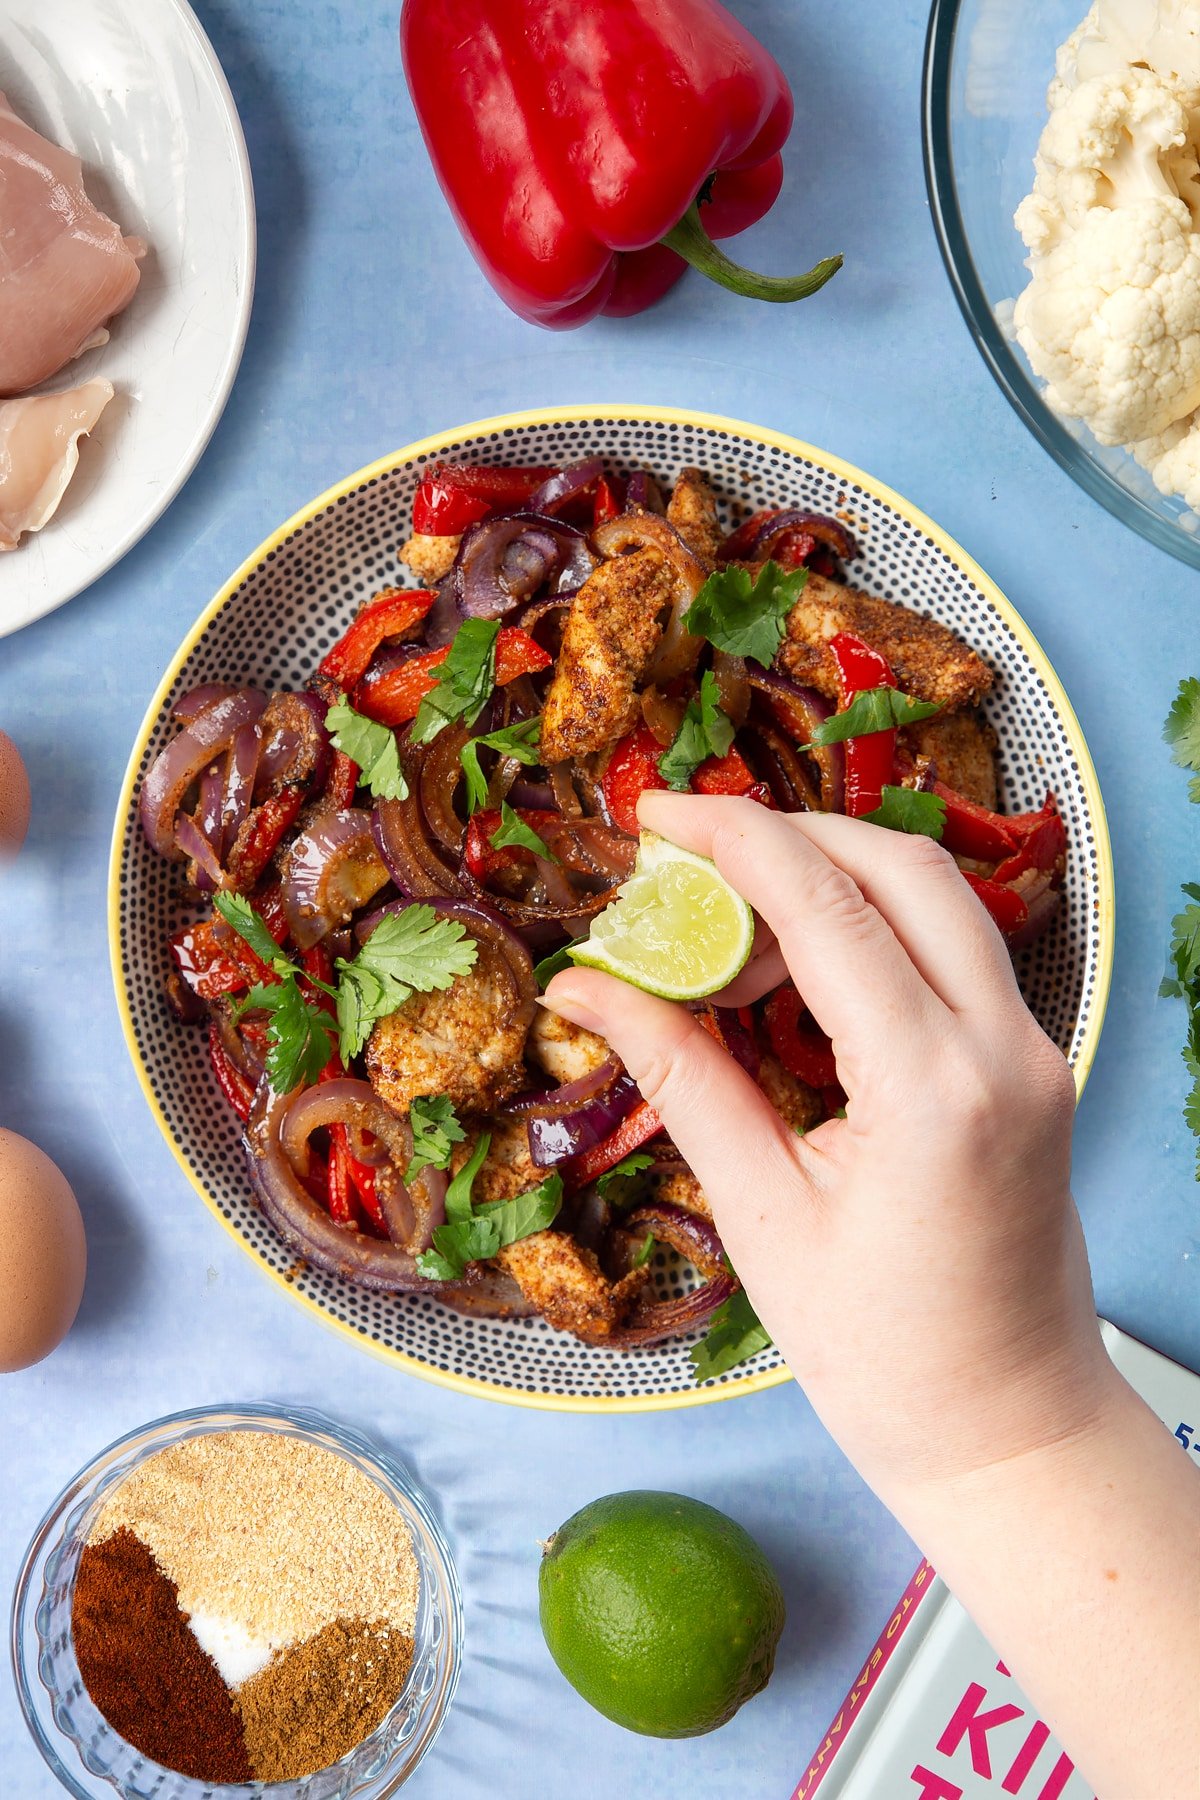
371	327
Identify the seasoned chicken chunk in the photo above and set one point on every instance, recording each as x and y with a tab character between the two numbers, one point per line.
611	634
798	1104
465	1040
692	510
928	660
963	747
567	1285
508	1169
566	1052
430	558
680	1188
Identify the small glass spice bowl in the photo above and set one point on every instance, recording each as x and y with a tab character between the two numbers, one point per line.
91	1760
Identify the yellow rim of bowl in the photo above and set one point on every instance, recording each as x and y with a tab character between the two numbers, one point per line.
604	411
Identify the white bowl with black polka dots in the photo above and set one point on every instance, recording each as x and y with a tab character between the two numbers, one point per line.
288	603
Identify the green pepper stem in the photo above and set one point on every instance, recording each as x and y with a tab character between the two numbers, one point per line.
690	240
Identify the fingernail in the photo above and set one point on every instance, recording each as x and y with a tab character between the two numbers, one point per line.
573	1011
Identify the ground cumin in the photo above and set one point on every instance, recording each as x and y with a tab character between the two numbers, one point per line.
320	1699
144	1669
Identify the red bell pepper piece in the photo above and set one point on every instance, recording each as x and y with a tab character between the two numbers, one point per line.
484	860
870	759
531	97
454	495
342	785
1041	841
802	1048
389	615
608	501
261	836
632	768
972	830
791	552
214	960
635	1129
230	1080
730	774
1006	906
394	696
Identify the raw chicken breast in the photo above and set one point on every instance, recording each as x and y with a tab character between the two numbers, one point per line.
64	267
39	448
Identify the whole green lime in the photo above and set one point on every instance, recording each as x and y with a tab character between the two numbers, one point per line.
661	1611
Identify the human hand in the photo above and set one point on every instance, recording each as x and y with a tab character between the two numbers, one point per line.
920	1262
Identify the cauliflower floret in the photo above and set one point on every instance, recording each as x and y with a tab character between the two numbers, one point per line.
1173	459
1111	319
1163	34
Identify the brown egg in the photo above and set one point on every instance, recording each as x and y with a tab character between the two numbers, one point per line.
14	798
43	1254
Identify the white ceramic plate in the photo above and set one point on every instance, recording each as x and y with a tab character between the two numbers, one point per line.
134	88
279	613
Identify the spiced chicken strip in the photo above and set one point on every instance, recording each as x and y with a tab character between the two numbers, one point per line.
465	1041
962	748
611	634
430	558
692	510
927	659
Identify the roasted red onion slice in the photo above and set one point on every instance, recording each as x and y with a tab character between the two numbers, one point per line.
643	493
411	1213
441	773
193	844
738	1041
566	485
239	782
571	1118
295	744
189	706
730	673
804	709
502	562
695	1238
333	868
819	525
209	806
415	865
184	759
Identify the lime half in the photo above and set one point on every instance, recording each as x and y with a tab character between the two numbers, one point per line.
676	928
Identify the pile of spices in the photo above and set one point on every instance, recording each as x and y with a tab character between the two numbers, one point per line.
244	1607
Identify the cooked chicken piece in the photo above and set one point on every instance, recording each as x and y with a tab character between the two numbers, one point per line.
64	267
508	1169
928	660
566	1052
567	1285
465	1040
681	1188
39	451
612	631
963	747
693	512
430	558
798	1104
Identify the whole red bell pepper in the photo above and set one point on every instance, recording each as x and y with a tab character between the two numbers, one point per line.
579	143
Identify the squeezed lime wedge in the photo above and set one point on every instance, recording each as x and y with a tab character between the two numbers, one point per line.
676	928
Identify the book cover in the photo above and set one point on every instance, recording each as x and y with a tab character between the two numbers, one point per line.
934	1714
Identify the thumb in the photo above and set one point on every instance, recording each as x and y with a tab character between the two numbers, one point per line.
726	1129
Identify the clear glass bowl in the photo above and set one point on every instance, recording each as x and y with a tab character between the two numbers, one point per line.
88	1756
987	66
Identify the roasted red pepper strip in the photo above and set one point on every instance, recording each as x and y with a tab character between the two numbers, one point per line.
342	785
607	503
635	1129
730	774
1041	842
870	759
394	696
341	1203
972	830
802	1048
536	99
230	1080
791	552
632	768
214	960
261	835
1006	907
454	495
362	1178
391	614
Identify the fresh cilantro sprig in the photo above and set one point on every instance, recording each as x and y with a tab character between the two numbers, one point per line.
904	809
1182	731
618	1185
705	730
372	746
874	709
435	1131
552	965
512	833
473	1233
409	952
463	682
522	741
744	617
648	1246
735	1332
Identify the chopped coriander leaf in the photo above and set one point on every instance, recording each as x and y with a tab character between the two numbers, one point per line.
646	1252
742	617
874	709
513	833
534	1210
521	741
435	1131
904	809
409	952
299	1034
238	913
458	1194
735	1332
552	965
463	683
617	1185
372	746
471	1234
1184	954
1182	729
705	731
